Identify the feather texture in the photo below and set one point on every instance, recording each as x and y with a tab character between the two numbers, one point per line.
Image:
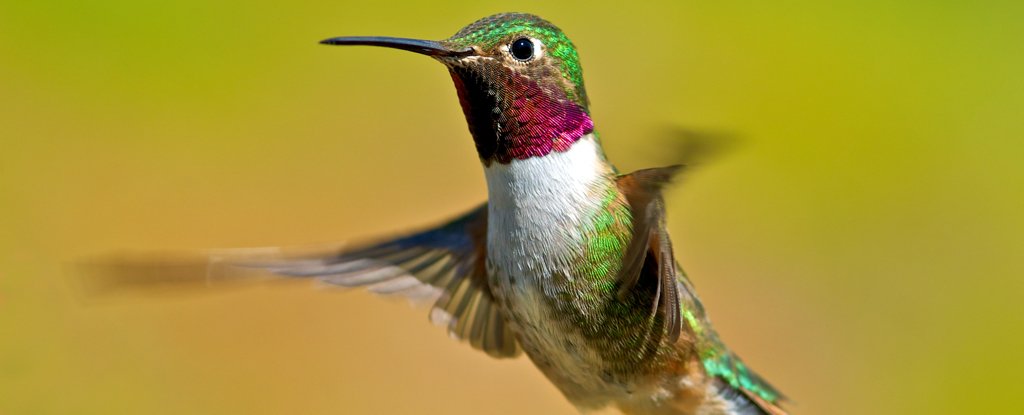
650	238
446	263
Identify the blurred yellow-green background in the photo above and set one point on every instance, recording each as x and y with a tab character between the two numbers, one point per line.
862	248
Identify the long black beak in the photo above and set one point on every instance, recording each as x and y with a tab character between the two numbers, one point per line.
425	47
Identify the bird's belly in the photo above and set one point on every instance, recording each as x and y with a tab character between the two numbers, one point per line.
559	350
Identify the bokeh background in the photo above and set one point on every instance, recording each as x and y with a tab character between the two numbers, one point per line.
861	248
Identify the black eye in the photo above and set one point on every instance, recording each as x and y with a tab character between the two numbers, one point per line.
522	49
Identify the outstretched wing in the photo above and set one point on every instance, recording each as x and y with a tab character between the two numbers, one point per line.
447	262
649	257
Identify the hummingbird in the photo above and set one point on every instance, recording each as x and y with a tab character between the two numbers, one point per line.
568	261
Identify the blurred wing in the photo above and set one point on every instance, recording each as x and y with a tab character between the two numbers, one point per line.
678	145
447	262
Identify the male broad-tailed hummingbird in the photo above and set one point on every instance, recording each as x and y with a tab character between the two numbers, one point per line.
568	260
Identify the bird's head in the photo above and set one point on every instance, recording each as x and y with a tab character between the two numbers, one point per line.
519	81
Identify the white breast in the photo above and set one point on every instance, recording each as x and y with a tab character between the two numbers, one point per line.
537	207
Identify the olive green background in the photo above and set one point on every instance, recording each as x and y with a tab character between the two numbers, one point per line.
861	247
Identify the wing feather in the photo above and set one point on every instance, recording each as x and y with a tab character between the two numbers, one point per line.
650	239
446	262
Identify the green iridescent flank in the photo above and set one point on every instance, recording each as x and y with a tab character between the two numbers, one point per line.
489	32
619	328
606	240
